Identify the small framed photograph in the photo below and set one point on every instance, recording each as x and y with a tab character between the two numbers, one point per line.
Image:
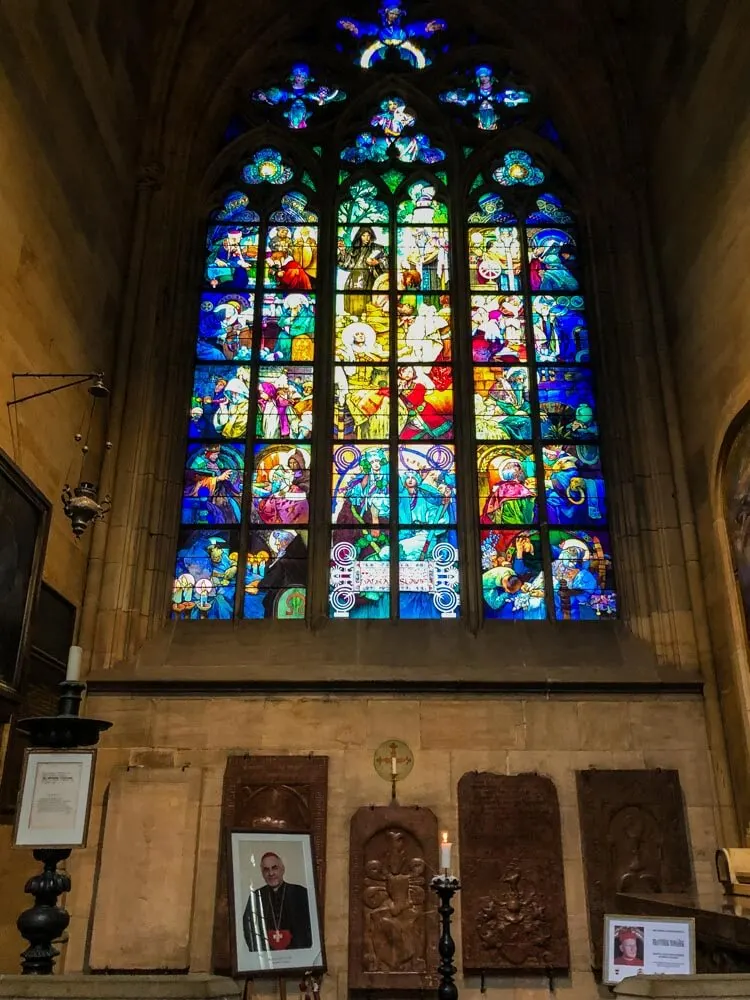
55	798
647	946
274	905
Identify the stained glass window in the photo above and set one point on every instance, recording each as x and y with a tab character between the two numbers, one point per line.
447	392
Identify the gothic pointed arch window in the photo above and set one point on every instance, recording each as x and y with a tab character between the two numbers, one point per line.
392	366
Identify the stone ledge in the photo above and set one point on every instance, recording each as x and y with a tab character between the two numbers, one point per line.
120	987
706	987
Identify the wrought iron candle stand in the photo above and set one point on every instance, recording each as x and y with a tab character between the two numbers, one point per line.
446	886
45	921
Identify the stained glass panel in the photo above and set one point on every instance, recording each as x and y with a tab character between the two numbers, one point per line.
566	402
360	573
426	484
361	485
422	207
362	259
301	97
423	258
362	403
225	327
219	404
424	328
292	257
236	208
285	401
276	574
232	256
288	327
425	402
267	166
490	208
363	206
498	328
293	210
582	579
205	574
553	260
501	403
495	259
366	340
212	491
513	586
392	36
549	209
560	328
518	167
574	484
507	484
428	577
281	484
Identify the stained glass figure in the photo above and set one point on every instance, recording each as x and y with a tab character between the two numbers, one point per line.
236	208
393	120
212	492
288	327
300	97
232	256
362	402
507	484
294	210
566	403
362	260
425	402
518	168
423	259
424	328
502	408
363	206
360	573
560	328
225	327
553	260
491	209
486	97
276	574
426	484
582	575
574	484
495	259
219	404
281	484
267	166
422	207
365	340
392	35
549	209
291	256
361	485
498	328
513	587
428	577
284	409
205	574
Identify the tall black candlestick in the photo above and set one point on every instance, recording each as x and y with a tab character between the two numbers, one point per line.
446	886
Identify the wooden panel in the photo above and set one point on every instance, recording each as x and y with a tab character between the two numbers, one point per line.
634	839
513	913
393	931
144	898
283	793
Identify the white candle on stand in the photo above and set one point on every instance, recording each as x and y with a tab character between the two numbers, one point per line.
394	766
73	672
445	852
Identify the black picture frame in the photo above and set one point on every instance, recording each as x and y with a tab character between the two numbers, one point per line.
24	526
259	958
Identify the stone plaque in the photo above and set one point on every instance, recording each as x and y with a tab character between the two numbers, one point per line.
147	871
393	928
280	794
513	897
634	839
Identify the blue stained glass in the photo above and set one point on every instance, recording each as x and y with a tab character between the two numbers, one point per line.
553	260
582	580
232	256
301	97
361	485
560	328
393	119
428	577
518	168
236	209
205	574
360	575
392	36
281	484
574	484
549	210
225	327
513	575
566	403
507	484
426	484
362	206
294	210
498	328
501	403
487	98
276	574
267	166
491	208
219	403
212	492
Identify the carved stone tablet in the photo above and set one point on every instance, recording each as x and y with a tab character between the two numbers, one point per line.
393	929
269	793
634	839
513	897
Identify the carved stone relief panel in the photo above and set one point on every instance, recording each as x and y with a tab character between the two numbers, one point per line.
393	931
269	793
513	914
634	839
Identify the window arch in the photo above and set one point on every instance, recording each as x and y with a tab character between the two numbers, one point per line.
455	339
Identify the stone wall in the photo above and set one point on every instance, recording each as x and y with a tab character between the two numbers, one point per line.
449	737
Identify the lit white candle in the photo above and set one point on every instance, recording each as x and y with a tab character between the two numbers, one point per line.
73	672
445	852
394	766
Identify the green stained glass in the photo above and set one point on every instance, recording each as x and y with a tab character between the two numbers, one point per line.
343	174
307	179
442	177
478	182
318	150
468	150
393	178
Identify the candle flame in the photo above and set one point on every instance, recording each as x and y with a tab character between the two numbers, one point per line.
445	836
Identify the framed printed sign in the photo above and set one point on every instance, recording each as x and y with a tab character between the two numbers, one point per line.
55	797
646	946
